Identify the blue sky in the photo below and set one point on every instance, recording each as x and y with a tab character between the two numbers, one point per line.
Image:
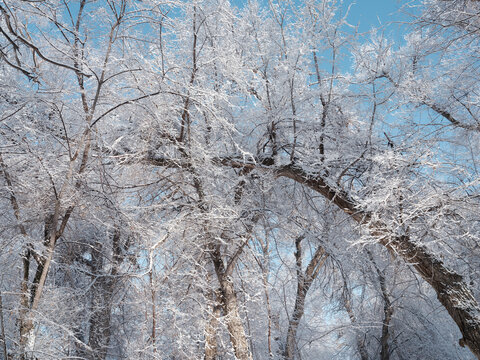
367	14
373	13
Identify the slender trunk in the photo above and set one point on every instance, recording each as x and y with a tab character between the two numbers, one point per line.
358	338
353	319
304	281
269	312
247	319
24	300
387	311
185	124
2	330
323	122
154	312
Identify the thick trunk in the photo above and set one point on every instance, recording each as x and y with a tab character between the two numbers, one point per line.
211	345
100	321
235	327
291	343
102	299
452	292
234	322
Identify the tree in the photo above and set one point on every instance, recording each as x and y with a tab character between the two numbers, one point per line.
210	181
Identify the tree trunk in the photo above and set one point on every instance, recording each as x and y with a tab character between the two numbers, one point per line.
100	321
24	325
347	302
269	311
102	299
230	308
24	302
27	326
387	311
234	322
304	281
211	345
2	331
353	319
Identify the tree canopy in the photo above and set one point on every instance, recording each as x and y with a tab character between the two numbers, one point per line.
208	180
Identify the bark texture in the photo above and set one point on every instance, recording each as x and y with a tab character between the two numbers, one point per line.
229	302
211	345
103	291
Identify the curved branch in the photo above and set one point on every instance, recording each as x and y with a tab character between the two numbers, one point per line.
452	291
450	287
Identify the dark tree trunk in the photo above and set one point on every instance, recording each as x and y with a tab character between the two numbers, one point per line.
102	300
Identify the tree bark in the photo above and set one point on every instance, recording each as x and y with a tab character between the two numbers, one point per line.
269	306
211	345
230	308
2	331
234	322
100	321
24	292
102	300
153	335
